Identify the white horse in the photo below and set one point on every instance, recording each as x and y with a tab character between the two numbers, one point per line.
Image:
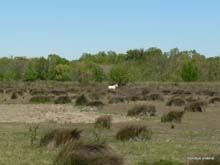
112	87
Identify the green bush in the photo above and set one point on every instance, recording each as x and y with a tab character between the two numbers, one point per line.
119	74
62	72
189	72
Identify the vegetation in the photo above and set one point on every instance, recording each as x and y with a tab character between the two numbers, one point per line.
135	65
103	122
172	116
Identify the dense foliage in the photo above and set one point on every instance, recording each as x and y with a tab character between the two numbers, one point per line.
135	65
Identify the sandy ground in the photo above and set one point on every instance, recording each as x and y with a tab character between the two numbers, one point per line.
36	113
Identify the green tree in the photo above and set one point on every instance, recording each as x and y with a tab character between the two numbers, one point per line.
98	73
119	74
62	72
189	72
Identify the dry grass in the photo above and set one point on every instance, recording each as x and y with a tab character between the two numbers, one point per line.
172	116
142	110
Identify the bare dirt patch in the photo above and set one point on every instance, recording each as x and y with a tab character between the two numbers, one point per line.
31	113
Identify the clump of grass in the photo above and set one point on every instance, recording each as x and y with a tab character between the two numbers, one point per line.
172	116
57	137
81	100
142	110
212	159
87	153
103	122
176	102
134	132
33	134
95	104
63	100
40	99
195	107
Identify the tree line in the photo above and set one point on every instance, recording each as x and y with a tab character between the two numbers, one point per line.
136	65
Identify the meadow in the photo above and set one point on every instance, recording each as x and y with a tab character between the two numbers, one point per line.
29	110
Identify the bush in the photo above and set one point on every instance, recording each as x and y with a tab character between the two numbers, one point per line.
142	110
63	100
103	122
14	96
85	153
189	72
95	104
116	100
119	74
195	107
215	161
154	97
81	100
57	137
62	72
172	116
134	132
214	100
40	99
176	102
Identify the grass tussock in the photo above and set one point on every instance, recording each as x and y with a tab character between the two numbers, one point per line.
14	96
154	97
116	100
195	107
63	100
214	100
172	116
134	132
142	110
103	122
81	100
95	104
176	102
57	137
86	153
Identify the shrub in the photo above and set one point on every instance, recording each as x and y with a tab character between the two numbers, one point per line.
81	100
175	102
154	97
62	72
103	122
63	100
214	160
116	100
134	132
195	107
95	104
142	110
119	74
57	137
172	116
214	100
40	99
85	153
14	96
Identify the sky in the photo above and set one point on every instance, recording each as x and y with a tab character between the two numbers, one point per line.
35	28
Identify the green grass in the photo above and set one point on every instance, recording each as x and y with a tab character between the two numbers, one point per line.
15	147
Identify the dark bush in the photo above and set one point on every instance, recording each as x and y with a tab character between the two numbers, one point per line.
172	116
134	132
40	99
57	137
103	122
213	160
195	107
214	100
116	100
81	100
63	100
154	97
14	96
176	102
142	110
95	104
85	153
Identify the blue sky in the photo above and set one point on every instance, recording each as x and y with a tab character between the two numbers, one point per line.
70	27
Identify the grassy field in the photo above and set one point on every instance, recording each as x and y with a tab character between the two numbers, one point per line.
197	134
